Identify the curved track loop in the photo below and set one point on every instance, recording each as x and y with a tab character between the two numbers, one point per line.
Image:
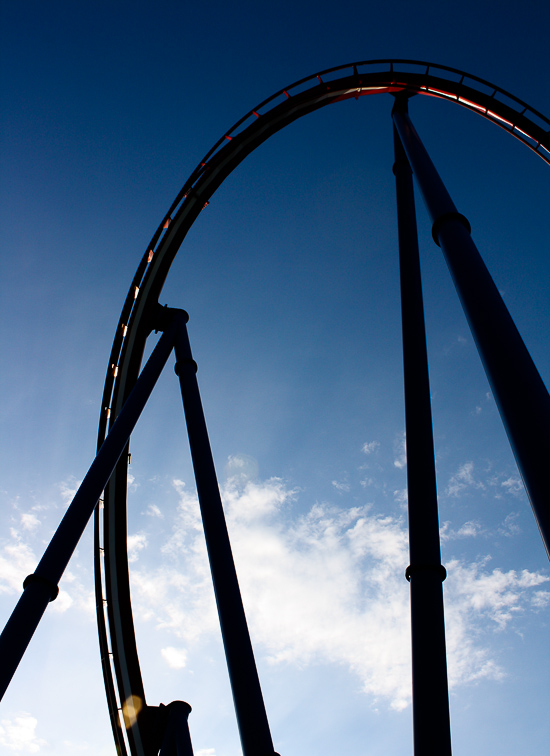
118	646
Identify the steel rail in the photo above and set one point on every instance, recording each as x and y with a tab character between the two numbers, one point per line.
350	81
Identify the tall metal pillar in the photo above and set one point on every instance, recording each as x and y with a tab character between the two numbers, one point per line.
431	723
519	391
177	740
247	695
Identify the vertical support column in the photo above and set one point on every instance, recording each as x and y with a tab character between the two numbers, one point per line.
177	740
520	394
247	695
431	723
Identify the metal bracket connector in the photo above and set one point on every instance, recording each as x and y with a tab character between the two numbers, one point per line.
34	578
426	567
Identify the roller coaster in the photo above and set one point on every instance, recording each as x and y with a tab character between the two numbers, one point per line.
143	730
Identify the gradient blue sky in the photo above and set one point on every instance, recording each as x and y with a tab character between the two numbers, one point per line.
290	279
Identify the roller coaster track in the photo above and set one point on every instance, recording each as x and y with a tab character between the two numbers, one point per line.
138	318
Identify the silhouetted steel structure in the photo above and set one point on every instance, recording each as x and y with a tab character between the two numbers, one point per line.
521	396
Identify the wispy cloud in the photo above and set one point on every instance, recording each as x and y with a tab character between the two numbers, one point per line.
513	485
18	733
400	452
401	497
341	486
29	521
510	525
136	543
469	529
242	467
494	595
369	447
540	599
327	586
68	489
18	559
174	657
462	480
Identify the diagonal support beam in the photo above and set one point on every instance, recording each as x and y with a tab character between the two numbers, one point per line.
520	394
245	685
42	586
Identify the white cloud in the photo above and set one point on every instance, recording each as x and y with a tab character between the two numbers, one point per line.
400	450
68	489
540	600
63	602
241	466
341	486
17	560
513	485
496	595
29	521
470	529
154	511
19	734
473	596
401	497
370	447
76	591
462	480
206	752
254	502
136	543
177	594
510	526
176	658
82	747
327	587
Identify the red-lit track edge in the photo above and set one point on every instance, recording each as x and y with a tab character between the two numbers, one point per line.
114	614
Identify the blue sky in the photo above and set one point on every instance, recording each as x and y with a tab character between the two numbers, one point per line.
290	279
